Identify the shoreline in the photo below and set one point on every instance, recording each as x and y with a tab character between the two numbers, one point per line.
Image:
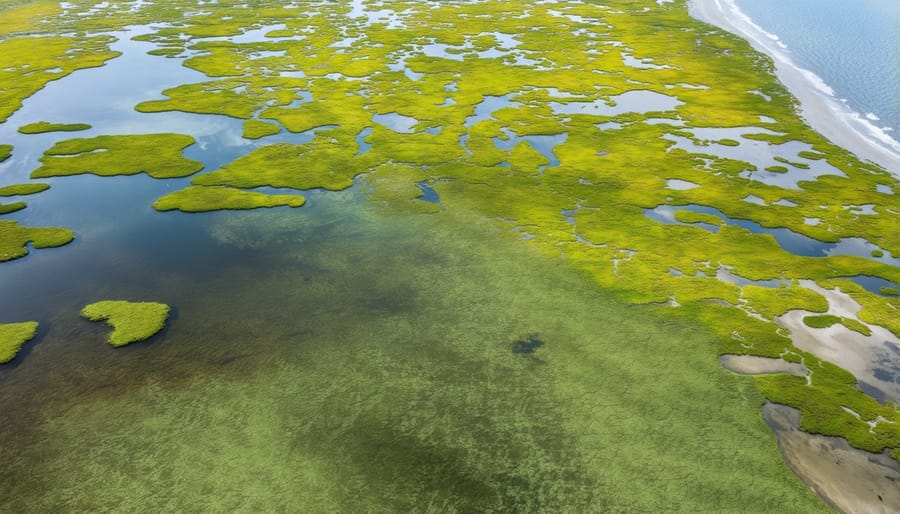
824	112
847	479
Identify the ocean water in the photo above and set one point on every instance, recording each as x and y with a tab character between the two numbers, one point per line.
854	47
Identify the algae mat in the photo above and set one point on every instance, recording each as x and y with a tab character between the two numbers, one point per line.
373	365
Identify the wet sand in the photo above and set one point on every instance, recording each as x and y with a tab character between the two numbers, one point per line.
872	359
752	365
850	480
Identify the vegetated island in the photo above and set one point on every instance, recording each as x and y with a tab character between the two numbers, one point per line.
131	321
41	127
157	155
19	190
6	208
214	198
23	189
14	239
13	336
5	152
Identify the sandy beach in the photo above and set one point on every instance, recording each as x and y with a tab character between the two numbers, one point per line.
824	112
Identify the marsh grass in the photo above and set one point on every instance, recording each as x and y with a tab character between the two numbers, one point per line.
41	127
131	321
823	321
13	336
6	208
157	155
14	239
23	189
214	198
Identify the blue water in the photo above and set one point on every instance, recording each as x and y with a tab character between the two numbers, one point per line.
793	242
853	46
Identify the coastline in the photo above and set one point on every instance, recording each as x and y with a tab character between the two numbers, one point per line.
818	106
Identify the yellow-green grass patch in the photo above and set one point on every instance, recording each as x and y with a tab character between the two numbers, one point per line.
14	239
213	198
6	208
13	336
29	188
131	321
157	155
45	126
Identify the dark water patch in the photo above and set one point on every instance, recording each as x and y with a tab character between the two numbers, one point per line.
790	241
875	285
528	345
875	392
543	144
428	192
362	146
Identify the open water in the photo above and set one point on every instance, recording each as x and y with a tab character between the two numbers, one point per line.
853	47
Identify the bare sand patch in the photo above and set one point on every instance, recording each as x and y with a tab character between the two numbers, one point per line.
850	480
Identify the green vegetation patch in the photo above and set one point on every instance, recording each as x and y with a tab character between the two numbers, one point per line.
823	321
13	336
131	321
323	163
777	169
255	129
157	155
890	291
14	239
5	152
213	198
856	326
6	208
24	189
45	126
685	216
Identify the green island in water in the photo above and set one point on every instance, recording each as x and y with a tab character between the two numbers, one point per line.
469	256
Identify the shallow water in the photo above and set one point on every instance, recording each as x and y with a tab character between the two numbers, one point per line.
341	357
329	348
851	45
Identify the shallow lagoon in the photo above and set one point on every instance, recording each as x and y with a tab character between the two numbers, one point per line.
378	349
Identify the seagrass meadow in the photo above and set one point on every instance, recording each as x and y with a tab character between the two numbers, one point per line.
431	256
